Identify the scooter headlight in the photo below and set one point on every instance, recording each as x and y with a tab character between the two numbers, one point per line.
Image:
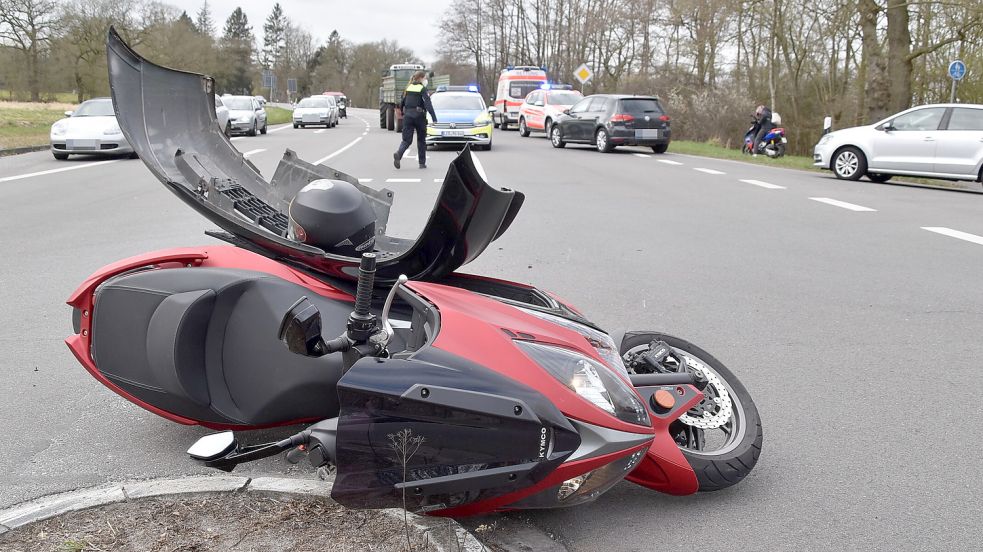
590	380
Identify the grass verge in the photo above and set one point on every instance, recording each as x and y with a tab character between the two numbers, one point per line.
28	124
278	115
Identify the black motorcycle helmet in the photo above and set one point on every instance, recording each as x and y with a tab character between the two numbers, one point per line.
332	215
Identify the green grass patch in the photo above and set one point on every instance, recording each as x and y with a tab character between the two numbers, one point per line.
27	124
705	149
278	115
47	97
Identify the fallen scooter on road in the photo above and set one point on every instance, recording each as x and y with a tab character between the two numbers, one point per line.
426	389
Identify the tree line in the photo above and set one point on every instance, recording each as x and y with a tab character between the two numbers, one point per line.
712	61
47	46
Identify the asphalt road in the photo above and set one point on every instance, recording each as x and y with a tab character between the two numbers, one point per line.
856	330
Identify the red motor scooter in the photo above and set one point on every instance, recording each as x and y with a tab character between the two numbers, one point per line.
445	393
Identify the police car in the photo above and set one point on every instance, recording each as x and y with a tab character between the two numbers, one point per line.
462	117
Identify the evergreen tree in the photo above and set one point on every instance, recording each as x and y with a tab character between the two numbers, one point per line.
185	21
274	37
237	50
203	21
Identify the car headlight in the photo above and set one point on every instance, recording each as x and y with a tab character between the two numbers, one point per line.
601	341
112	130
58	128
482	120
825	139
590	380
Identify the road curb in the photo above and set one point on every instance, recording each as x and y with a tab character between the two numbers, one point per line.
25	149
55	505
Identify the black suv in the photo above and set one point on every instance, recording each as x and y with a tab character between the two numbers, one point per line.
610	120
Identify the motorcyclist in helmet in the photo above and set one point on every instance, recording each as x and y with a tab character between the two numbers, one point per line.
762	121
334	216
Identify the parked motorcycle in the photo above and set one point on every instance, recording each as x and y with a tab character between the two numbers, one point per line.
443	393
774	141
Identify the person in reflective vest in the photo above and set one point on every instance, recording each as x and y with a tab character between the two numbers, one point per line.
415	105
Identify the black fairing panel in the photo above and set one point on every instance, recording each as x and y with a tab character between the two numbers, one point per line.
202	343
446	430
168	117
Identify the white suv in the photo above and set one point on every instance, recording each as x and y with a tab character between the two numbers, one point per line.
934	141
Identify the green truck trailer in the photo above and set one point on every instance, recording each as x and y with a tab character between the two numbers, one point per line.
394	82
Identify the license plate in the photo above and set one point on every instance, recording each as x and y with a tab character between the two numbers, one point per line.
311	119
452	133
647	133
784	141
82	144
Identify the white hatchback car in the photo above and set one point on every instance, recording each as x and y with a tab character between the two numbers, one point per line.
933	141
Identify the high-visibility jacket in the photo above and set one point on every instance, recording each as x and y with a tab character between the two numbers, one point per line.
416	98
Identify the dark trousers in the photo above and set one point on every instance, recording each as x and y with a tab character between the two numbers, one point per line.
762	131
414	121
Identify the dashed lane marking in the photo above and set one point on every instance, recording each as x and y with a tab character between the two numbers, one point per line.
74	166
764	184
438	180
709	171
402	180
842	204
279	128
320	131
669	162
252	152
965	236
641	155
365	180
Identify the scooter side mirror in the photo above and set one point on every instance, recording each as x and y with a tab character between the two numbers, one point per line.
300	329
211	447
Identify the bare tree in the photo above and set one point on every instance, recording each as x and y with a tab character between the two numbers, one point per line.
28	26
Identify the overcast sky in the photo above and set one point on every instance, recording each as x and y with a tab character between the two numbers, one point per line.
411	23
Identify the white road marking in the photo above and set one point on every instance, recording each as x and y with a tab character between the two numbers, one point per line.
841	204
669	162
764	184
641	155
76	165
234	138
325	158
364	133
965	236
279	128
252	152
438	180
402	180
365	180
709	171
320	131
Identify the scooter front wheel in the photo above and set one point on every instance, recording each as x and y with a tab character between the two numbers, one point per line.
721	436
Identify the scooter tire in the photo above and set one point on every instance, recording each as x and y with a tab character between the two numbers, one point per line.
714	472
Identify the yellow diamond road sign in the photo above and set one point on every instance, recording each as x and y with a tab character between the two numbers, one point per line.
583	73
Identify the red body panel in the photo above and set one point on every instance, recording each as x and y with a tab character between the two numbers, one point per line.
472	326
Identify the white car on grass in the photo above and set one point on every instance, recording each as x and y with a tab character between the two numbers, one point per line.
91	129
933	141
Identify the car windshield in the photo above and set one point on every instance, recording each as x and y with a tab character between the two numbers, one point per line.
313	102
563	98
641	105
242	104
95	108
521	89
464	102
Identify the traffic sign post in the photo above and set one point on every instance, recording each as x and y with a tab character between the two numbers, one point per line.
291	88
269	81
957	70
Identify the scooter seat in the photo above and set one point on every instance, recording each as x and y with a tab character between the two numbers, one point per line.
202	343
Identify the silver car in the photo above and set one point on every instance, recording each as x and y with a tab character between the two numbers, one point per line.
90	129
222	116
316	110
246	115
933	141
